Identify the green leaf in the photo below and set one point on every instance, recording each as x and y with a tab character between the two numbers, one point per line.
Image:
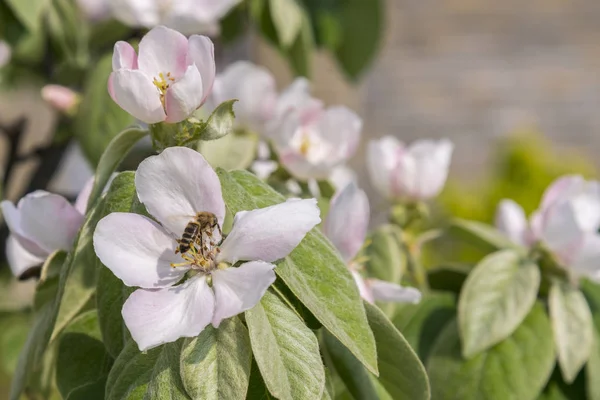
99	118
400	370
257	390
234	151
15	327
592	369
311	271
361	32
111	293
286	350
300	54
421	323
116	151
216	364
220	122
495	299
385	258
516	368
287	17
572	326
82	359
448	277
354	375
32	354
483	235
152	375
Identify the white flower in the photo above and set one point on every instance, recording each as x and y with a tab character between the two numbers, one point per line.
169	80
346	226
186	16
312	141
416	172
175	186
40	224
254	88
61	98
566	223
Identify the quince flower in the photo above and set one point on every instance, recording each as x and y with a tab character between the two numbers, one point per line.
311	140
181	292
40	224
61	98
168	81
346	227
5	53
566	223
416	172
186	16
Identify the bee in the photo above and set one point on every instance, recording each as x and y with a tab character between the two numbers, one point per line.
203	222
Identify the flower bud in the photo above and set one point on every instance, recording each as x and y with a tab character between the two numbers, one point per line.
61	98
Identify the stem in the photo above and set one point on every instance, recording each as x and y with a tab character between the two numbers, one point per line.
14	134
415	268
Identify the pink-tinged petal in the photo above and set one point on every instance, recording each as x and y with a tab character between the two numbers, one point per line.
135	93
347	221
202	54
19	259
124	57
5	53
163	50
240	289
341	126
137	250
511	220
83	197
342	176
382	158
269	233
177	184
586	260
162	316
184	96
561	232
387	291
586	204
49	220
363	288
560	189
136	13
12	217
61	98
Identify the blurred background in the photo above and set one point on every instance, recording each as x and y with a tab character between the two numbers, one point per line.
515	85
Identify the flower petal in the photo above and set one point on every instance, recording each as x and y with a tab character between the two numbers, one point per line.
424	169
136	13
382	159
177	184
511	220
202	53
163	50
12	216
124	56
49	220
388	291
347	221
363	288
184	96
137	250
161	316
560	189
19	259
269	233
84	196
240	289
561	231
341	126
135	93
586	261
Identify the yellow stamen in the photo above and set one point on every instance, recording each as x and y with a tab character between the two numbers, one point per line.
304	145
162	85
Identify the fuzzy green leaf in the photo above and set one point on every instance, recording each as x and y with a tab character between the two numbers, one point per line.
573	329
496	297
516	368
483	235
286	350
216	364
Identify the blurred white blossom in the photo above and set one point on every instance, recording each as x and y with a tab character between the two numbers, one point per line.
5	53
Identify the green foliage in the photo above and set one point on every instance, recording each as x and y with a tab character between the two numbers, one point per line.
495	299
99	118
516	368
216	364
236	150
386	259
287	18
286	350
311	271
572	326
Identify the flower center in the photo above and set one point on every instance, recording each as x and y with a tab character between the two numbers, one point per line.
199	246
308	142
162	85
